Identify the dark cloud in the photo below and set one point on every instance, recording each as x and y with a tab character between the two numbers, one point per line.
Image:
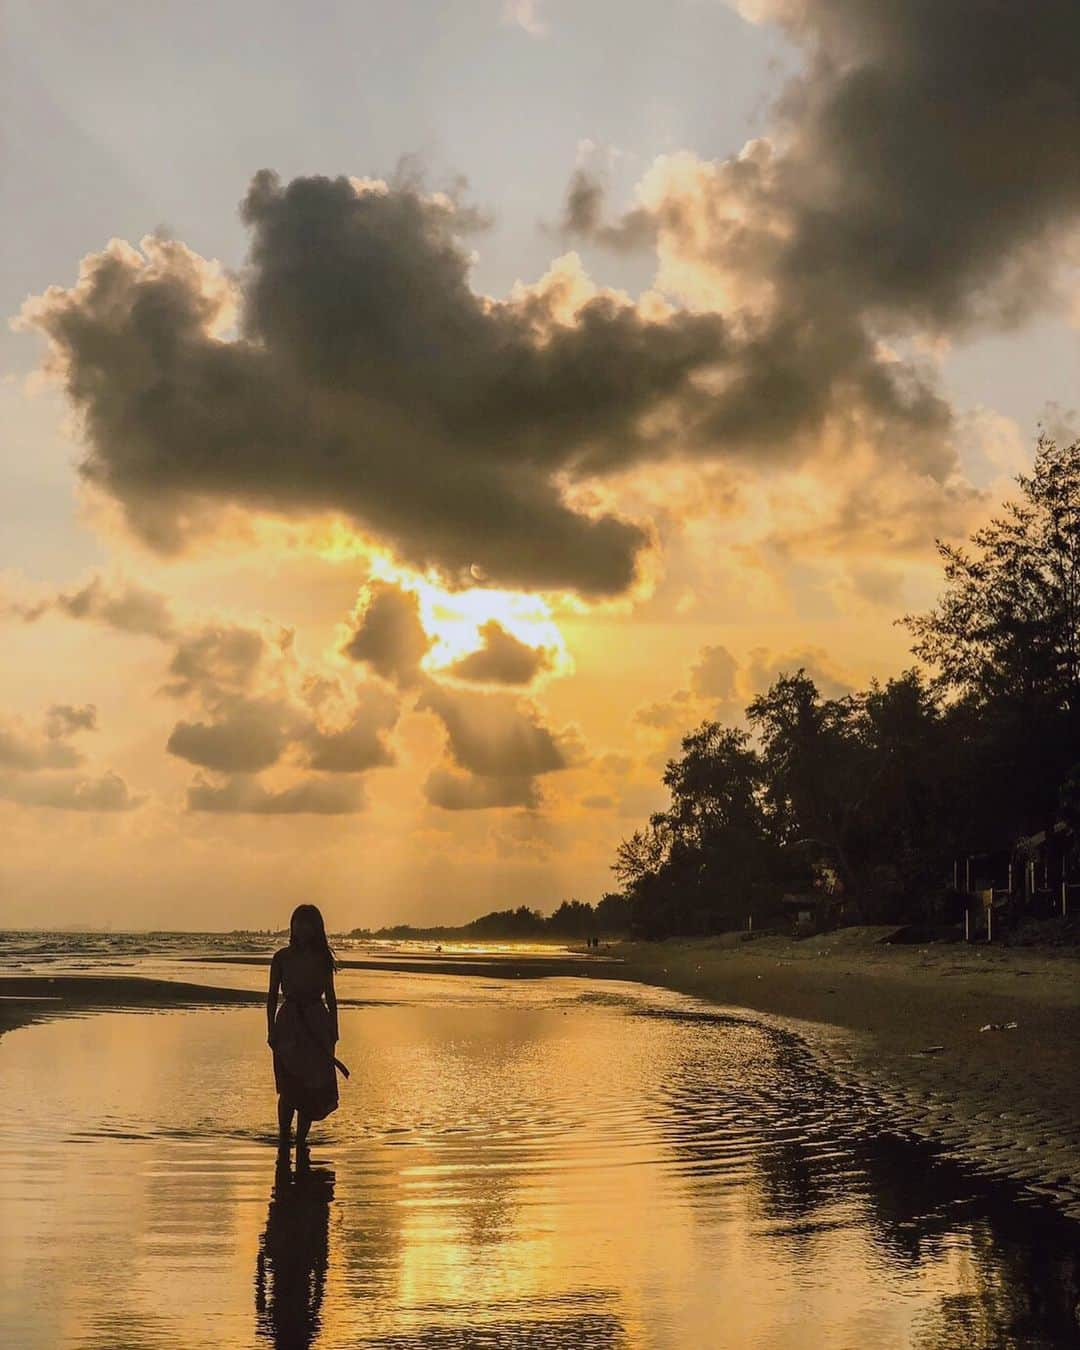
254	720
503	659
500	743
932	164
67	792
368	380
469	792
351	750
583	214
922	177
360	744
495	735
389	635
249	735
245	796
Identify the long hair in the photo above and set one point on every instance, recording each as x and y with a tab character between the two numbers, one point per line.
313	913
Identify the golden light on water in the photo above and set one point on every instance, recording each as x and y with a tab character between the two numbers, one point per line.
577	1175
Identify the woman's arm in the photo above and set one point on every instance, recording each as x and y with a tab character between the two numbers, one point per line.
331	1001
272	997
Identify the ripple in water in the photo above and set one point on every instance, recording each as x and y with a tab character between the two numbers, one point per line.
541	1167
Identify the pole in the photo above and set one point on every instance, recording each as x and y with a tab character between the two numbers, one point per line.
967	924
990	923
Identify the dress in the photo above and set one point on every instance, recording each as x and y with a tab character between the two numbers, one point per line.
304	1072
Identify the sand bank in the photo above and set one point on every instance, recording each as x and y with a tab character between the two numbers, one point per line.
32	998
902	1026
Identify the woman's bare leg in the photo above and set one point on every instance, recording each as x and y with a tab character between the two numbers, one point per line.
303	1124
284	1122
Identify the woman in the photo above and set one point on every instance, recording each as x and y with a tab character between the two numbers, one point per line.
303	1032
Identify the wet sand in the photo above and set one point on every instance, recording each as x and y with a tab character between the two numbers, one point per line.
25	999
902	1026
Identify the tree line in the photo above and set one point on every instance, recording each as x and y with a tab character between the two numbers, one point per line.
609	917
874	793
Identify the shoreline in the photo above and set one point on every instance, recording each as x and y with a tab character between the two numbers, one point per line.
898	1026
497	965
901	1028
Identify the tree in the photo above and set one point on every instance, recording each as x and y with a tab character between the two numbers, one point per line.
644	852
906	814
886	786
812	764
1008	626
613	913
1005	644
573	918
696	866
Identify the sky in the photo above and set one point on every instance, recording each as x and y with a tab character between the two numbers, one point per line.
418	417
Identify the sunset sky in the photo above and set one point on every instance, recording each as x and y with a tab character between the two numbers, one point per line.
418	416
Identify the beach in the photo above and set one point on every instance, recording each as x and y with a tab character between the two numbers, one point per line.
561	1148
903	1026
972	1047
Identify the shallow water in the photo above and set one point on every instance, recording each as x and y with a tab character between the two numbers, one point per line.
38	951
513	1164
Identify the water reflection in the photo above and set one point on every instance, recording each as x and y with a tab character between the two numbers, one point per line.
1007	1270
542	1167
294	1255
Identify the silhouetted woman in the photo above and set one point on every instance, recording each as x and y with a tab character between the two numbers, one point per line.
304	1030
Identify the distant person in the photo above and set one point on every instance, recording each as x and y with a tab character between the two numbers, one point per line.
304	1031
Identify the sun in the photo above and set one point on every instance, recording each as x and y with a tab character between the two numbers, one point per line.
453	619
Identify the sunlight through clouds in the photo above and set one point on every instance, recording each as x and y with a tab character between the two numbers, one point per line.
454	618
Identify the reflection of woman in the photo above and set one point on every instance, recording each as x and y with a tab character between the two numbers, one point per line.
304	1030
294	1253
